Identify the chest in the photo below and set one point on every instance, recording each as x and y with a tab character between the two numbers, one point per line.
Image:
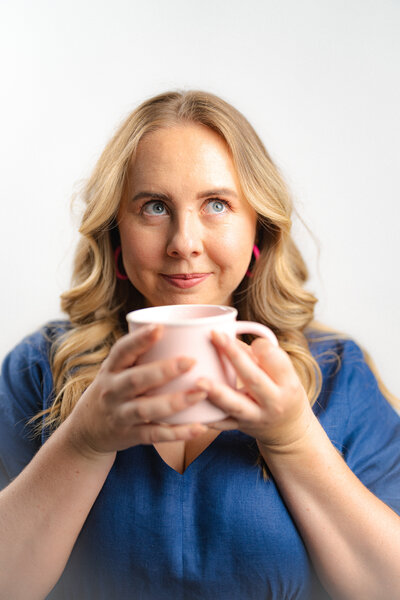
215	531
179	455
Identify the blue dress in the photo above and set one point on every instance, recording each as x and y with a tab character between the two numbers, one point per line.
217	531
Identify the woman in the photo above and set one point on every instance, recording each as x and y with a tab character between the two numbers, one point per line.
113	504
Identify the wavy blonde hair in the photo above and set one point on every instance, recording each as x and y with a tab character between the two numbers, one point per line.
97	302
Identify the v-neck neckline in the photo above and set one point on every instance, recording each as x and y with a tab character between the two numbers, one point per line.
199	461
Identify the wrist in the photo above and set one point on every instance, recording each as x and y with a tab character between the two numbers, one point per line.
290	438
79	444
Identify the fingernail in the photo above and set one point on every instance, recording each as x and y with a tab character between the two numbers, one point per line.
198	429
185	363
148	329
194	397
203	384
220	338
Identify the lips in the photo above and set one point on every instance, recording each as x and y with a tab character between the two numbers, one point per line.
185	280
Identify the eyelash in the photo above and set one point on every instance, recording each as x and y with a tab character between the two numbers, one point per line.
155	201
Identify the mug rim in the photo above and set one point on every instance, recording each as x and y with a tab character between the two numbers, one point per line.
136	316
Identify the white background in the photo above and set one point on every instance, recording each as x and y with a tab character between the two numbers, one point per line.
319	80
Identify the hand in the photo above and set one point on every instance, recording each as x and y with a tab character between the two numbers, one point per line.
114	413
272	406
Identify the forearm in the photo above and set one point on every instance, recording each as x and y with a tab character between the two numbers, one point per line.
352	537
42	512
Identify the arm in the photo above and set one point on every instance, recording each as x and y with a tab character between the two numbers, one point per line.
352	537
42	512
44	508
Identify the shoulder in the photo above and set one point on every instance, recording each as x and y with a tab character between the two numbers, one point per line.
26	372
350	397
323	343
338	357
26	388
349	386
36	347
358	418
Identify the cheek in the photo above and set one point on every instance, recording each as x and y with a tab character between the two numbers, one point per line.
140	247
233	247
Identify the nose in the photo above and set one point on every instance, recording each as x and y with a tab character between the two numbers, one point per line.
185	237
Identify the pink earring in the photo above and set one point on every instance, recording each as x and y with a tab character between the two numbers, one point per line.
256	252
117	271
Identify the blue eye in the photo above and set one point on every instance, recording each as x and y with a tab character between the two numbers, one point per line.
219	206
157	206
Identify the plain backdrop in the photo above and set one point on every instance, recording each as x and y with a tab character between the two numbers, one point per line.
318	79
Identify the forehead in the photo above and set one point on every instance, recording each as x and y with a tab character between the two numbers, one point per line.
191	151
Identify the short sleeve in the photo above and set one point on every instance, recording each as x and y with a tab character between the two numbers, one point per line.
371	441
25	384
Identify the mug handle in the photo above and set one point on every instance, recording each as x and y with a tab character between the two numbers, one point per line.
255	329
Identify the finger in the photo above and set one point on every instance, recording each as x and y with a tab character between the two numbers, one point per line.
154	433
143	378
233	403
274	361
254	378
157	408
127	349
246	348
224	425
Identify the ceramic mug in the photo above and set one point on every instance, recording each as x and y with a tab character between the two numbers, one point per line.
187	332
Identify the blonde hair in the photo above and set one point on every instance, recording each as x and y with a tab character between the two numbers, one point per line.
97	302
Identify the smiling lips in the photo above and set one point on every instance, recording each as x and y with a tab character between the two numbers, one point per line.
185	280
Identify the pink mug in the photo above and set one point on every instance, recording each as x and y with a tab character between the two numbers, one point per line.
187	332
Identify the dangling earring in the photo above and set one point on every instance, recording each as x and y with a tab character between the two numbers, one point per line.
256	252
117	271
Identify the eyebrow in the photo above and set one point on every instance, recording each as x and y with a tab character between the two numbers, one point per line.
160	196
